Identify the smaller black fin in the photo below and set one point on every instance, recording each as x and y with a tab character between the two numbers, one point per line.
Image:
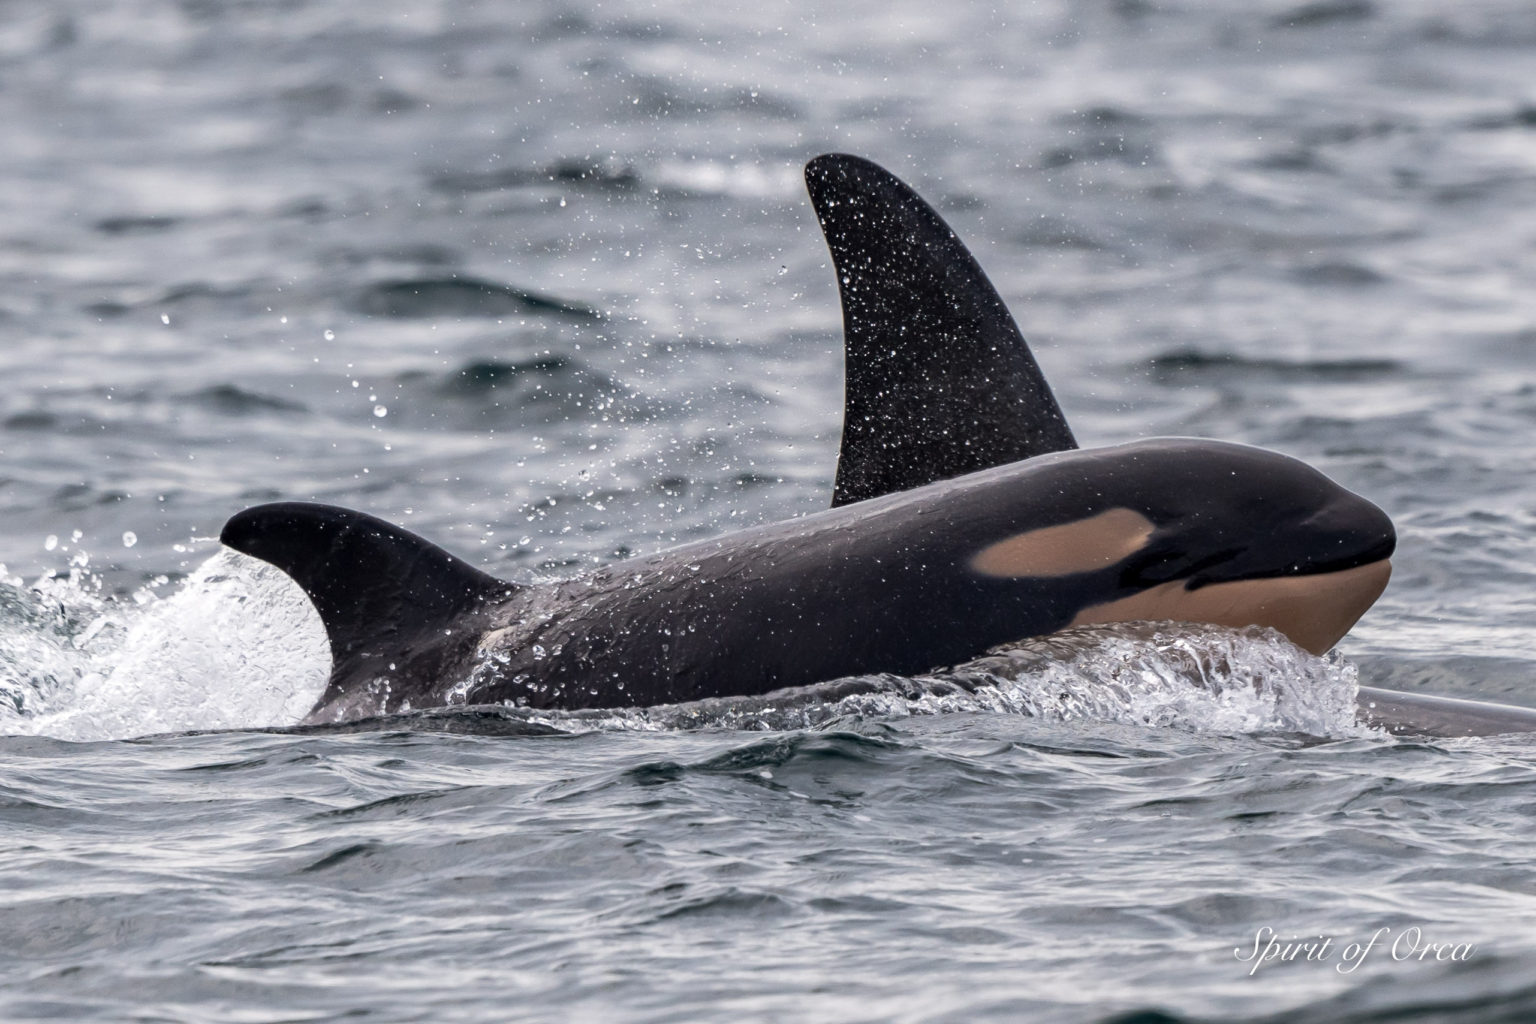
939	381
388	598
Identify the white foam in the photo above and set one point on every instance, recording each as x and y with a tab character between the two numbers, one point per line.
1203	679
238	645
1169	674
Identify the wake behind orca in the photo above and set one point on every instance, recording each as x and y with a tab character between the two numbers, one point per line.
964	517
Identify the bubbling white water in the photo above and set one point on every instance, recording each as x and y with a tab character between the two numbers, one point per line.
1205	679
1173	674
238	645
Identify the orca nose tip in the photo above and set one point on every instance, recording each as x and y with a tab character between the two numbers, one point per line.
1349	531
1380	533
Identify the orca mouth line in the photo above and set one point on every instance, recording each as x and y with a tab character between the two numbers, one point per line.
1380	551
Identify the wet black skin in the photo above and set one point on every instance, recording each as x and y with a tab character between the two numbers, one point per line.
882	585
940	382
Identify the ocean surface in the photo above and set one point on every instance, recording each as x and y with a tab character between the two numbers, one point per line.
539	280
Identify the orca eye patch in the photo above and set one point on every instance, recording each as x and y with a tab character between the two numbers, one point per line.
1086	545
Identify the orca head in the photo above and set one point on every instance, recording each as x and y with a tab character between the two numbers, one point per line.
1243	536
1194	530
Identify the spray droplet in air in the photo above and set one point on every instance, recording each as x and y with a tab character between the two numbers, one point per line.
329	335
130	539
165	318
380	411
51	543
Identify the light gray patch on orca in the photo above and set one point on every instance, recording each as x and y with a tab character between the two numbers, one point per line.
1066	549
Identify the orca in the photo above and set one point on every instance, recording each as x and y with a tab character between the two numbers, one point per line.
964	517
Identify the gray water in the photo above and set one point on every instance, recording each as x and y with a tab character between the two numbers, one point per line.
539	280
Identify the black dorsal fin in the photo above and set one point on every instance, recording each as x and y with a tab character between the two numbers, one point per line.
939	381
388	598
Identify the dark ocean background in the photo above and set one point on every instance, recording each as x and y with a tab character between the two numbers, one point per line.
540	281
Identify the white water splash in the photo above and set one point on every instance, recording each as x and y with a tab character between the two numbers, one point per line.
1204	679
237	646
1171	674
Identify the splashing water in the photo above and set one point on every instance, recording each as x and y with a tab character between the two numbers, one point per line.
1205	679
1172	674
237	646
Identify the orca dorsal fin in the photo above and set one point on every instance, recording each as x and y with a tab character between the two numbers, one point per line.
938	380
388	598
